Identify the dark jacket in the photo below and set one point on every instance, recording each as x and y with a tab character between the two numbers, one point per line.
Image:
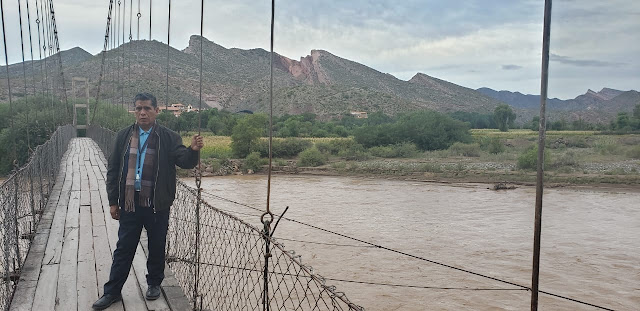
171	152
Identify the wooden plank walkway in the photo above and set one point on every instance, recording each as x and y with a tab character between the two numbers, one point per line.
70	257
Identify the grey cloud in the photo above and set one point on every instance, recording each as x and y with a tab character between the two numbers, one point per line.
582	62
511	67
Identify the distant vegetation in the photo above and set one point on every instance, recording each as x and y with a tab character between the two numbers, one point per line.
346	139
36	119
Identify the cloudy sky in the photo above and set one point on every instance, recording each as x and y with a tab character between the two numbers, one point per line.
473	43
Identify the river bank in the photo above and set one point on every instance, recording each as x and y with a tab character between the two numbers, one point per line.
614	175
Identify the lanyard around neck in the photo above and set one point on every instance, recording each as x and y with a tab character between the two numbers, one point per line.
141	150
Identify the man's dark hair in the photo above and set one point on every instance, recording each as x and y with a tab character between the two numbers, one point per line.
146	96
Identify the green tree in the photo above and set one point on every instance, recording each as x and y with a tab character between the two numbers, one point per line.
246	133
636	111
504	117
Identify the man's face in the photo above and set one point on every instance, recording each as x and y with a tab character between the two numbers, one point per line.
146	113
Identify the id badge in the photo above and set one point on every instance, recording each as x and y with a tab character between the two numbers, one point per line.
137	176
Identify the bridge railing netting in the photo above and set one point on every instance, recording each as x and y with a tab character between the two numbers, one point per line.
23	197
231	262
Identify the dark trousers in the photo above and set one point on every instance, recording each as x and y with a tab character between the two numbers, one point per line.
131	224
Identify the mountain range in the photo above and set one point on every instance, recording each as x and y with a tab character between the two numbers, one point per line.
320	83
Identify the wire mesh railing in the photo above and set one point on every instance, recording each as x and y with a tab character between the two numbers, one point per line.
23	197
232	258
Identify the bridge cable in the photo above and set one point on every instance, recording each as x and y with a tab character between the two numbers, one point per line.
150	6
198	176
117	55
123	47
33	71
268	233
104	55
24	74
138	15
42	73
45	35
168	50
57	48
15	162
130	39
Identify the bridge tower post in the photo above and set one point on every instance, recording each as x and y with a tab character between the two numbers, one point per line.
76	105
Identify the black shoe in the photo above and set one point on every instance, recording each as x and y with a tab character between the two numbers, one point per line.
153	292
105	301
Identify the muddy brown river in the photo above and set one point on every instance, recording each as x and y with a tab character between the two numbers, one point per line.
590	240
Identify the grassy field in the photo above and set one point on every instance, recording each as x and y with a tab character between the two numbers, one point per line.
573	157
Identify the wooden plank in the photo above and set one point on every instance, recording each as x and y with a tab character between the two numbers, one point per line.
85	245
91	175
76	184
68	272
103	257
97	213
131	296
68	171
87	284
23	298
140	270
53	250
175	298
98	173
73	210
46	288
85	198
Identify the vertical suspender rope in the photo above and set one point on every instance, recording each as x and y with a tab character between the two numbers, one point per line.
267	222
150	7
124	19
24	75
104	55
6	60
535	278
15	161
42	73
117	56
196	294
33	71
24	69
138	15
44	51
130	38
168	50
60	69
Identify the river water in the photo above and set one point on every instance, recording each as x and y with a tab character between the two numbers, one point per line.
590	240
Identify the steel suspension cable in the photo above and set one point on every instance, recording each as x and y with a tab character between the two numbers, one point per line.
150	6
124	19
117	28
130	38
24	69
168	50
198	176
57	48
6	60
33	71
24	74
42	73
268	233
104	55
138	15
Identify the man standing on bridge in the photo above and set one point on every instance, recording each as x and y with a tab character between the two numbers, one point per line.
141	186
